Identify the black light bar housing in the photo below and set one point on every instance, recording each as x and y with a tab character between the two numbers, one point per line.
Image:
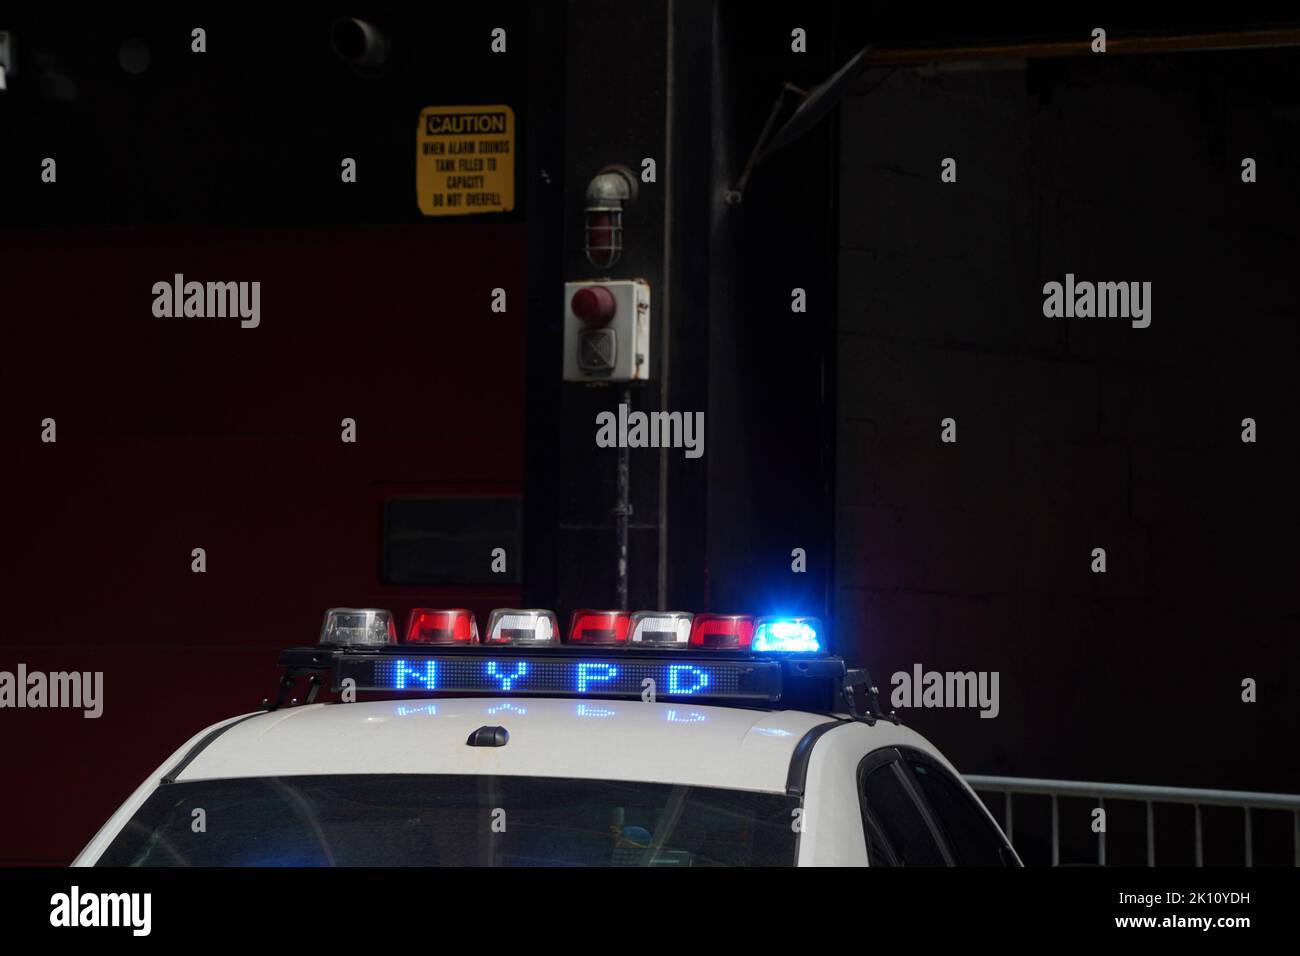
819	683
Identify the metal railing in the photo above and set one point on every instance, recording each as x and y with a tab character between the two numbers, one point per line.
1245	800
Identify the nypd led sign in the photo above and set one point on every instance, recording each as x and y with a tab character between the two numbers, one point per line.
571	676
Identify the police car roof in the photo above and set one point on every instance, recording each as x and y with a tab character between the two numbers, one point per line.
685	743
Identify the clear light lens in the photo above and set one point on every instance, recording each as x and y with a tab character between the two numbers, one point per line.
799	635
358	625
509	625
666	629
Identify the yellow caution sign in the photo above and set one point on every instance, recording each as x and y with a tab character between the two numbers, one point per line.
465	160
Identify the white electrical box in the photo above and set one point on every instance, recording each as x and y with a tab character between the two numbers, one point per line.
607	330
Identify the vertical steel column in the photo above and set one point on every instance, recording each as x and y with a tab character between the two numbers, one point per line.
623	510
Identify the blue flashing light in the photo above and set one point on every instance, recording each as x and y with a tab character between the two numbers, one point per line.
787	635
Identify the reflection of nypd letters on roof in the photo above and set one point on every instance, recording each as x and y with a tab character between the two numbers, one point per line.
675	742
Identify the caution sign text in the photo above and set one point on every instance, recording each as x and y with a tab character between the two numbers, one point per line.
465	160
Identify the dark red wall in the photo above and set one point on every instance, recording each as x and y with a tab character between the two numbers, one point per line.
182	433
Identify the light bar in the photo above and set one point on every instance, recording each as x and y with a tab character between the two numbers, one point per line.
528	626
427	625
722	631
599	627
352	625
794	635
661	629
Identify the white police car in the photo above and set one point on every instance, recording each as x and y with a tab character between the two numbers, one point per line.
650	739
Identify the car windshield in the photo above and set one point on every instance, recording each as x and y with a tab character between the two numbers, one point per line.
454	820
